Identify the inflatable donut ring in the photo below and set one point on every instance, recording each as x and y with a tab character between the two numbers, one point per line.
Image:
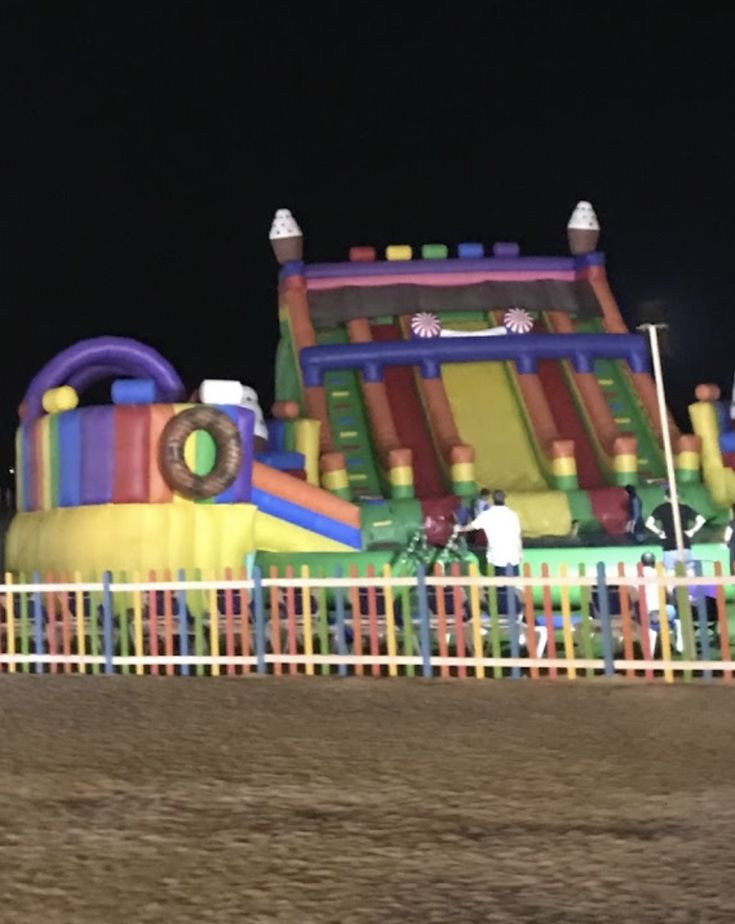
227	442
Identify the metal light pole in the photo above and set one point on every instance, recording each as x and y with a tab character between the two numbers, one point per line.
668	453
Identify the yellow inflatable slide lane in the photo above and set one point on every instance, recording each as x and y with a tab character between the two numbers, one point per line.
717	476
489	419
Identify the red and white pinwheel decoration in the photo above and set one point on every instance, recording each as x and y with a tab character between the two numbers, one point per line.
425	324
518	321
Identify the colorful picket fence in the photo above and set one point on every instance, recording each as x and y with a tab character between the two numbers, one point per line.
442	624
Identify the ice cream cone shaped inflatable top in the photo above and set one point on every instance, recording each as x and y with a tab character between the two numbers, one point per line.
583	229
286	238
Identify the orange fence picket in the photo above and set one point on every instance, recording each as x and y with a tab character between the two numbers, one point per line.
275	622
549	621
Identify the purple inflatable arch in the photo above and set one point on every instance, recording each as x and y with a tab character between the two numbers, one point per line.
90	361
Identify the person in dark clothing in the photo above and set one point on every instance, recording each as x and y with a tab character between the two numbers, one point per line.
634	527
661	522
463	513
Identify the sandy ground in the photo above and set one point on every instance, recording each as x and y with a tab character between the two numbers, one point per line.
304	800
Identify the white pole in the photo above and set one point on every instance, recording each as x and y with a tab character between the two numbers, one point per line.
668	453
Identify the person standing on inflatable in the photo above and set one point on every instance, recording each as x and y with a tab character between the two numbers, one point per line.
634	526
661	522
502	528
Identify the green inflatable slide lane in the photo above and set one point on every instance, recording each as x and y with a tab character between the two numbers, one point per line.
349	424
626	408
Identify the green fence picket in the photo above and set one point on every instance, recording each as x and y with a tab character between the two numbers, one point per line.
585	624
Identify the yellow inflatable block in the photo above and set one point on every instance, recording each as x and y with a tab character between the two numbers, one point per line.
401	475
56	400
398	252
129	537
306	440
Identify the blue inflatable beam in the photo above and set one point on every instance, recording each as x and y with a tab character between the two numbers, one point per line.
134	391
276	436
283	461
524	349
418	268
469	250
308	519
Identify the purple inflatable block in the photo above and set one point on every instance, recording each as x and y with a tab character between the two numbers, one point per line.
240	490
506	249
98	454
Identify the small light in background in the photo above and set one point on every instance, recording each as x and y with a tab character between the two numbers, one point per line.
12	471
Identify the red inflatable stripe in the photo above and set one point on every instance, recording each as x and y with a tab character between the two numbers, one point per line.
132	453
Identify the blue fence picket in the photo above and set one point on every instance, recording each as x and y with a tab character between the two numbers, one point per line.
38	621
604	598
512	607
183	625
424	631
259	607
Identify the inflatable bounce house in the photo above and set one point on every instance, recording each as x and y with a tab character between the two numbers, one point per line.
148	482
403	386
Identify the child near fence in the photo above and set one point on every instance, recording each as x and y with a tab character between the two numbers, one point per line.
652	600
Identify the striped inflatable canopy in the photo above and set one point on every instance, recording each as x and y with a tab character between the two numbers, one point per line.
109	455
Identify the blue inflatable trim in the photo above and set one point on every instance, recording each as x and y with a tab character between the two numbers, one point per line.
524	349
283	461
134	391
469	250
308	519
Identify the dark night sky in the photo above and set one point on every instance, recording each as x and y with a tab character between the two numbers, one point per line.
143	157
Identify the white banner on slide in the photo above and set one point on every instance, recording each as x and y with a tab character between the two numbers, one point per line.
487	332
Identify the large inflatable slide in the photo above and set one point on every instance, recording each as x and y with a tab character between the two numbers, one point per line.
432	376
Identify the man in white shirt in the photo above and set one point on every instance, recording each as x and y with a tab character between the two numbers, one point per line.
502	528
